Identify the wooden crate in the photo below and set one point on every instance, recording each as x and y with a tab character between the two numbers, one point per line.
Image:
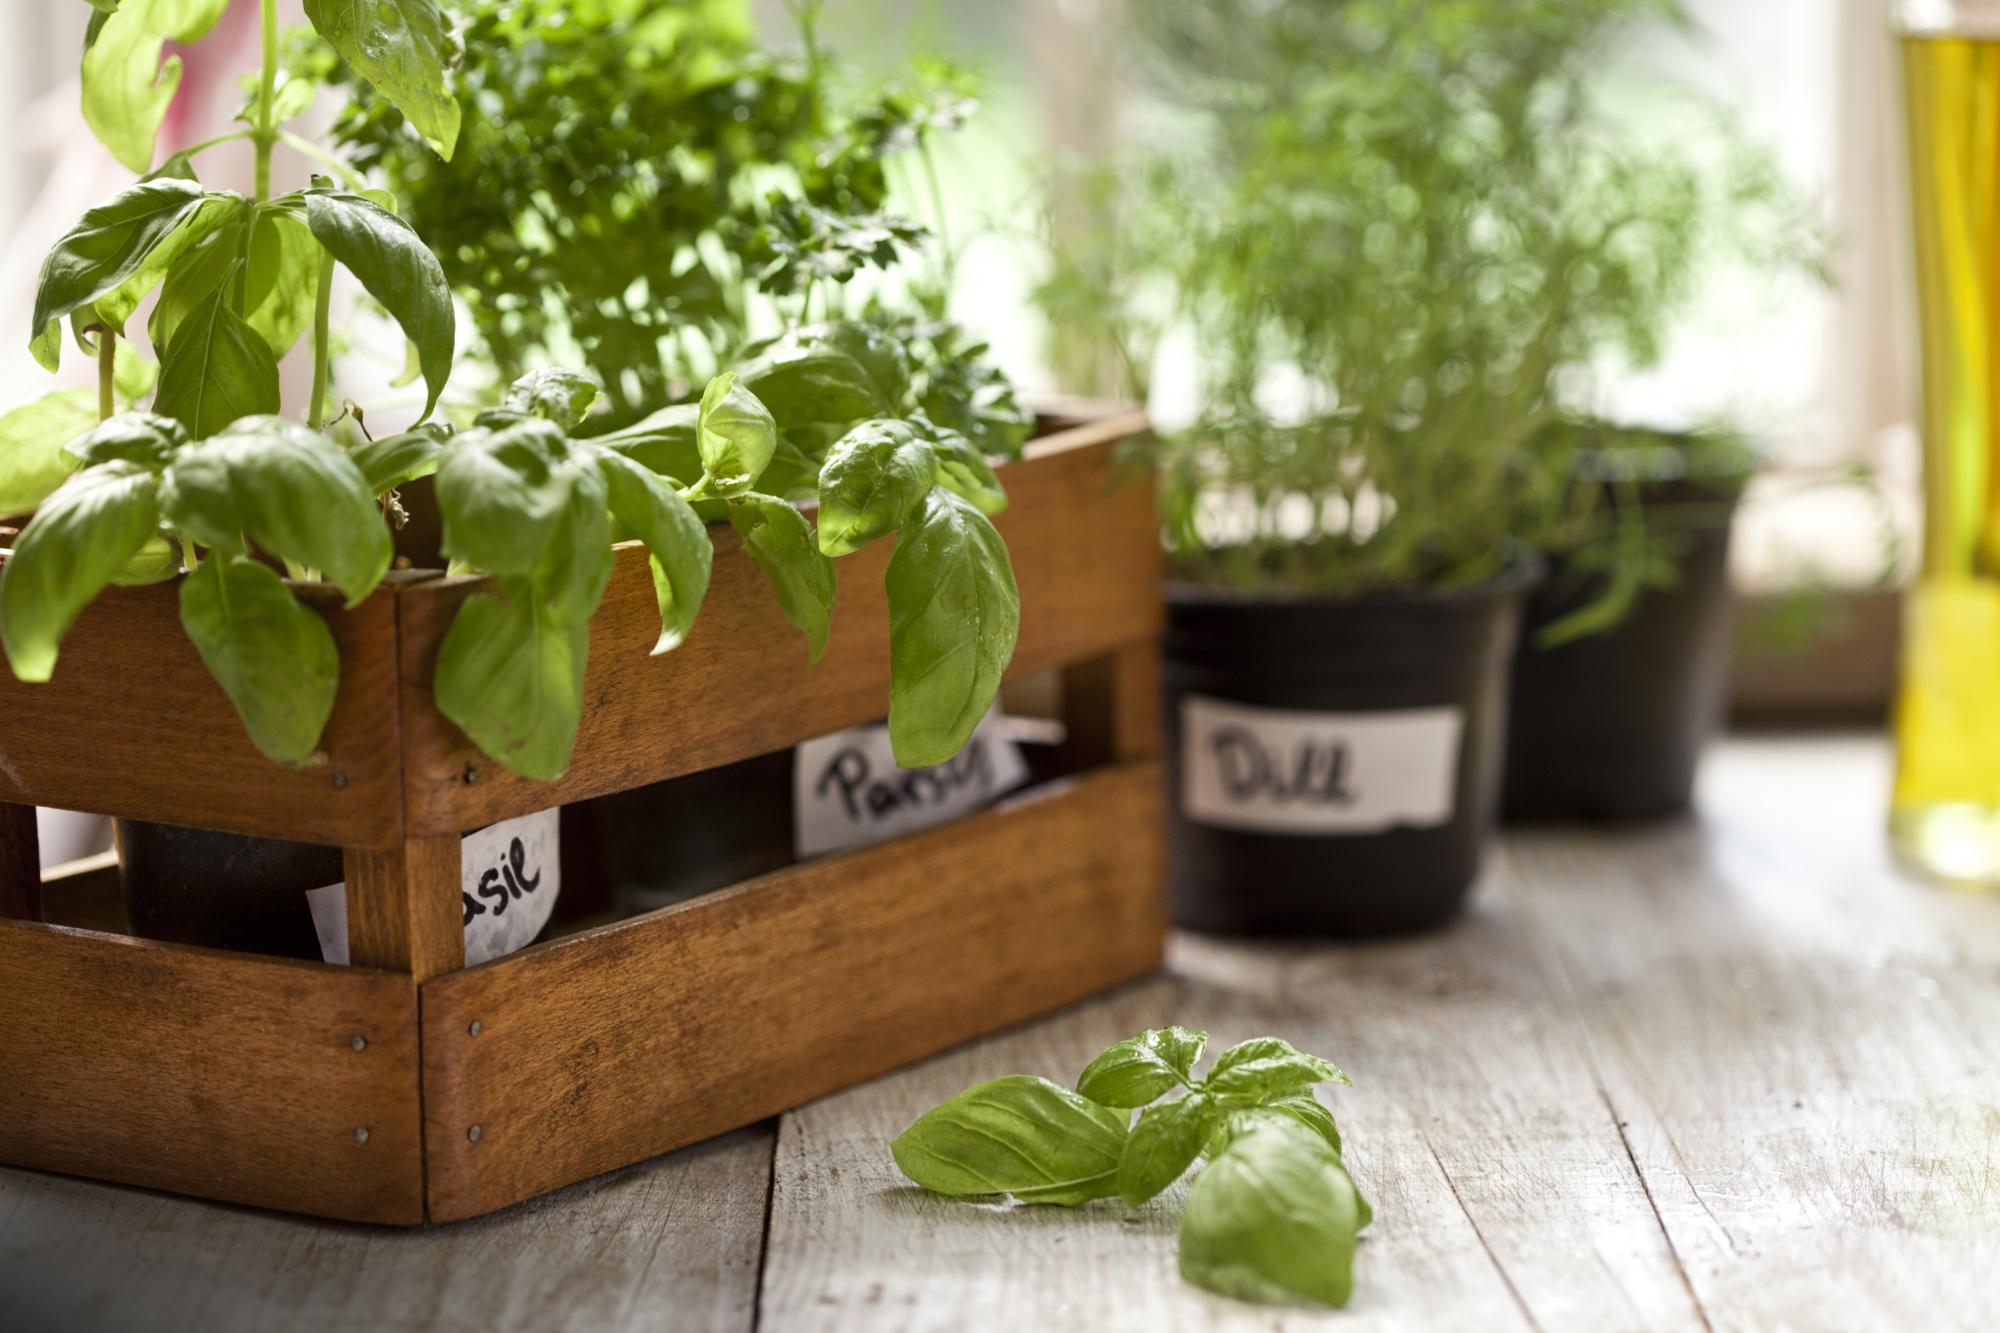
410	1088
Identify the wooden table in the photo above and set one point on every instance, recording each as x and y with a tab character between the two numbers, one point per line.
1727	1074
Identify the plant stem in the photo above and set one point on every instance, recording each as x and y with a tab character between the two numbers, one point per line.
311	149
322	300
265	133
107	369
194	150
948	261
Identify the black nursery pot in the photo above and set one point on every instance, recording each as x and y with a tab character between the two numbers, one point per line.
222	890
1333	762
1611	726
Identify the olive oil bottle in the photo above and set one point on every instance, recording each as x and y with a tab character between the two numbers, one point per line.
1945	812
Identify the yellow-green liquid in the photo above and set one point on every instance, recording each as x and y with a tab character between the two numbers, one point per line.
1945	814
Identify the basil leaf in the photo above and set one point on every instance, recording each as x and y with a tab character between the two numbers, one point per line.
980	404
780	540
290	489
1309	1111
1273	1218
681	553
156	561
664	442
33	461
877	476
403	47
274	658
964	471
1163	1144
395	460
561	395
736	437
1265	1068
510	675
282	281
80	537
213	213
1018	1135
195	276
502	494
827	373
954	614
397	269
104	248
137	437
1135	1071
126	88
216	370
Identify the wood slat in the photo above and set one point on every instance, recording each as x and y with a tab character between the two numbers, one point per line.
403	909
1086	558
209	1073
20	864
132	724
623	1042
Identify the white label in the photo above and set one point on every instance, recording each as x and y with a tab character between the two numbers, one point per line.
510	874
848	792
1277	771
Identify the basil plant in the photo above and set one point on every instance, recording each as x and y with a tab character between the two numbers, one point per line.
853	435
531	502
210	482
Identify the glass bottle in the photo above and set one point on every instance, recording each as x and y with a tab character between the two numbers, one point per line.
1945	811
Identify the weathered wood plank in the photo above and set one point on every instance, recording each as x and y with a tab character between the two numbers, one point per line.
1085	555
215	1074
1504	1195
1802	1047
631	1039
670	1244
133	724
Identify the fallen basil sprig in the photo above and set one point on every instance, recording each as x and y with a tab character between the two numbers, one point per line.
1272	1217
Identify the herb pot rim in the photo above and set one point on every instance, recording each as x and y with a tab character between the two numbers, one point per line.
1522	573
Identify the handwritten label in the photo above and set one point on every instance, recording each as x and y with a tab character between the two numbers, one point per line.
510	874
848	792
1272	770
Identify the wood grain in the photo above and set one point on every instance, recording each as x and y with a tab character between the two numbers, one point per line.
613	1045
672	1244
1504	1198
403	907
213	1074
1085	555
1111	705
132	724
20	864
1801	1047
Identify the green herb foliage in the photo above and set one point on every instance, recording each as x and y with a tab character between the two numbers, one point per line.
1404	235
211	482
1272	1217
645	190
725	192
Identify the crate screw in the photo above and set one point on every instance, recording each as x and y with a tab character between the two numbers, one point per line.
361	1133
471	774
475	1029
473	1134
359	1042
340	781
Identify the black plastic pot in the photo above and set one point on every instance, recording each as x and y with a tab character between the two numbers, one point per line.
222	890
1390	789
1611	726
